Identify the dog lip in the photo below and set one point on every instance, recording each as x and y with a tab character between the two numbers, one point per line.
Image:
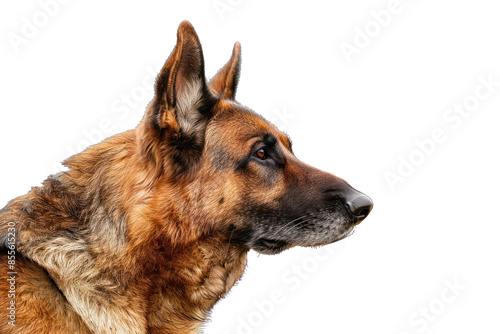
270	246
272	243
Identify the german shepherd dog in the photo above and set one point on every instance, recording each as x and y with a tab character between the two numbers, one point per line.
148	229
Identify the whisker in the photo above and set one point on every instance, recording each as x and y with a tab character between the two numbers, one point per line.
287	224
282	229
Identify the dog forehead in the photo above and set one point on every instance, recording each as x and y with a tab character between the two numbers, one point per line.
239	124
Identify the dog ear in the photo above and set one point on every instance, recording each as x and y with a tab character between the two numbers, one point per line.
175	121
225	82
181	87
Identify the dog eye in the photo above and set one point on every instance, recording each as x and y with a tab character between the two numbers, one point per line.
261	154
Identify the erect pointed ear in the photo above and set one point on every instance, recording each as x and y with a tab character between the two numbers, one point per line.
173	129
226	80
181	87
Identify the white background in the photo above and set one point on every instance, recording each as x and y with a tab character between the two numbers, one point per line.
68	83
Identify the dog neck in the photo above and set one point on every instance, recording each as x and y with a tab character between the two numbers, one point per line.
201	274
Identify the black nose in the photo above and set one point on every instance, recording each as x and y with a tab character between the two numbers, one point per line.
360	206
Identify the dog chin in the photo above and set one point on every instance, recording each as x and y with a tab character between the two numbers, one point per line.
327	241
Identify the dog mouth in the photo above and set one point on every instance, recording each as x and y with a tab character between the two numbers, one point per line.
310	230
270	246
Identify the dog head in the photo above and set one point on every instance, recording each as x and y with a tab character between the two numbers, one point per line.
235	171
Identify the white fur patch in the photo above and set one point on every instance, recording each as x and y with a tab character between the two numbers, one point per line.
189	102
